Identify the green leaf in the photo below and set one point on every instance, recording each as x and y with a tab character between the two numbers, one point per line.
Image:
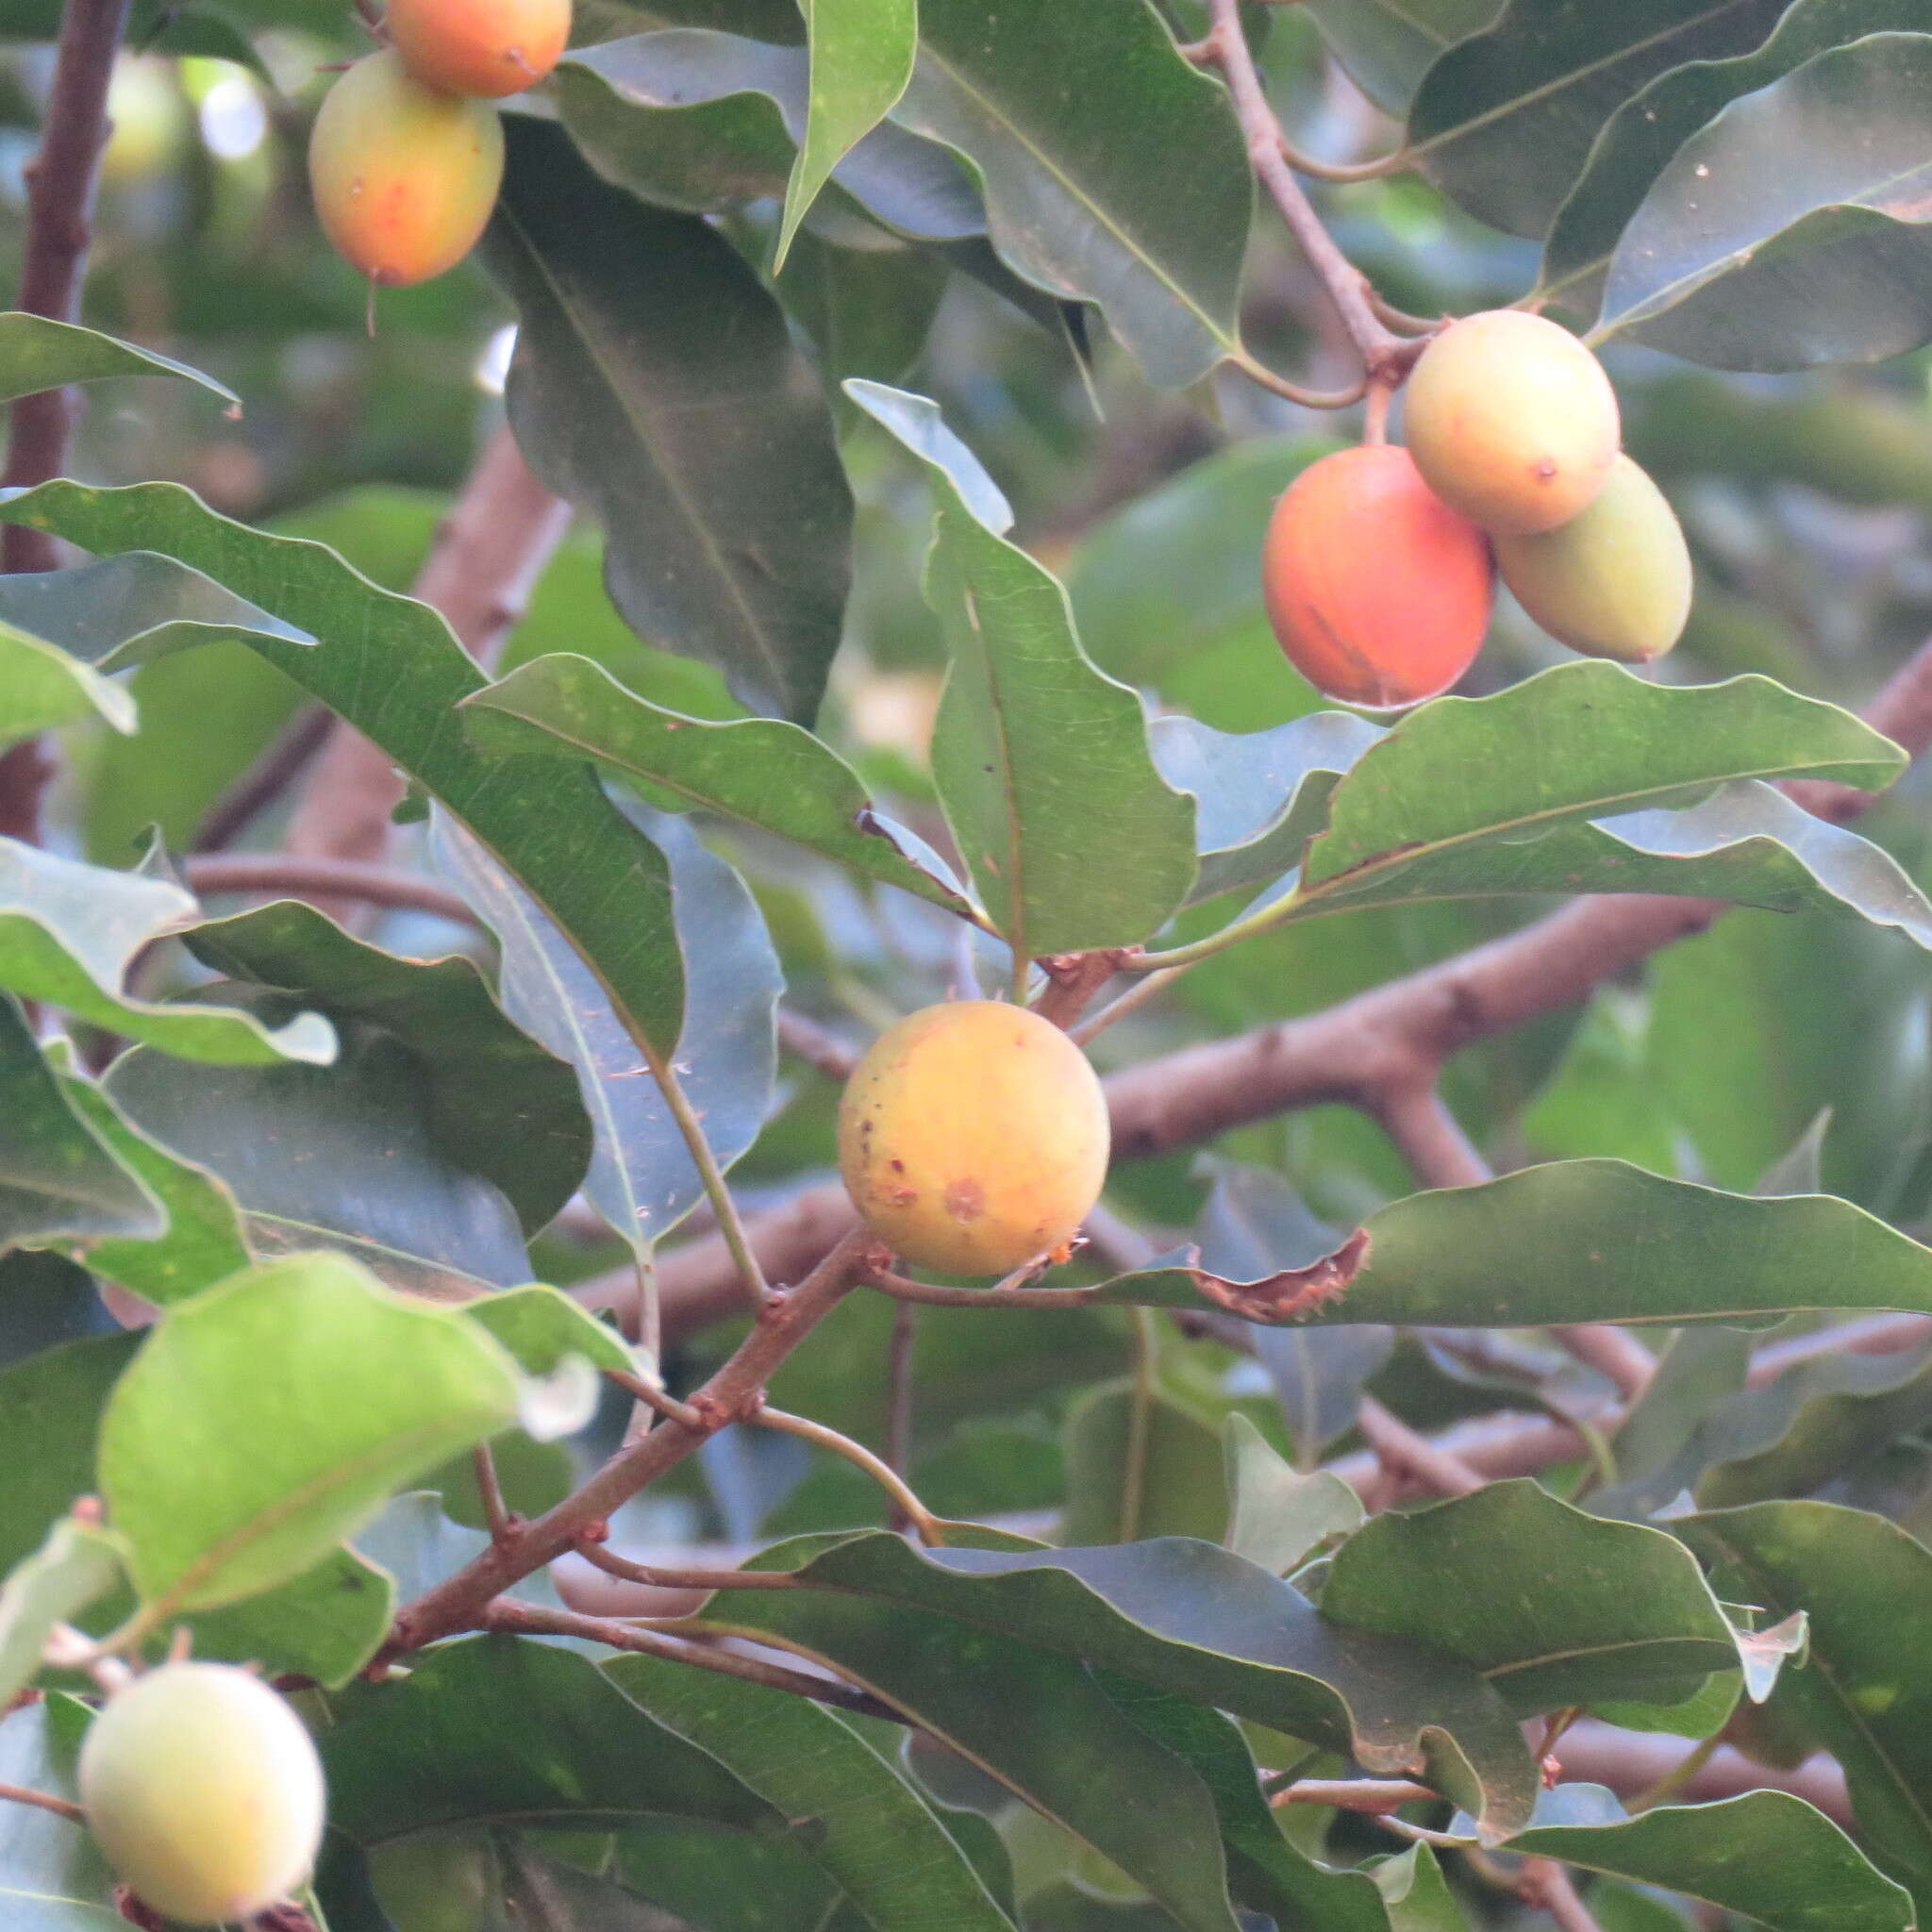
325	1623
69	933
1131	1476
1552	1607
1667	1440
1073	838
1577	1240
1416	1893
1743	250
762	772
1866	1695
1544	80
861	59
202	1242
1766	1854
875	1836
503	1106
57	1175
1389	45
1640	138
51	1878
264	1419
36	354
654	385
76	1565
1153	231
643	1179
868	312
1281	1514
1186	1617
1584	741
391	667
541	1329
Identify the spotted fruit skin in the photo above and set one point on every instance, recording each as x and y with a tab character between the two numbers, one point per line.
1512	422
487	47
973	1137
1614	582
405	178
204	1791
1379	593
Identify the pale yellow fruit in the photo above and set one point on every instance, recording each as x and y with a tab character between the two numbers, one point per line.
1614	582
204	1793
1511	421
973	1137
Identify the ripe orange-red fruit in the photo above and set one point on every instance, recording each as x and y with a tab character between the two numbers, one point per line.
1379	593
204	1791
973	1137
405	178
489	48
1511	421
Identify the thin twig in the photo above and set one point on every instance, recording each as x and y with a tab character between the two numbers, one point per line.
1371	1796
805	1040
44	1801
285	876
503	1525
656	1576
1343	172
1545	1883
1139	1427
1399	1448
900	1394
1005	1295
278	767
925	1524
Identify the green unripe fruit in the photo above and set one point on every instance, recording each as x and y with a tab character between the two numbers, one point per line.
204	1791
1614	582
1511	421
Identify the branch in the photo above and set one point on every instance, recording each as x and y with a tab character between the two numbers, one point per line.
284	876
42	1801
1544	1882
266	779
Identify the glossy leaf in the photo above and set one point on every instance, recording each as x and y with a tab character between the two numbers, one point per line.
643	1179
36	354
76	1565
51	1878
1640	138
1544	80
1281	1514
872	1833
1867	1691
1742	250
763	771
1132	1473
500	1103
861	59
1186	1617
1151	232
867	311
58	1176
68	934
1667	1440
391	667
325	1623
1389	45
1073	838
654	385
264	1419
1552	1607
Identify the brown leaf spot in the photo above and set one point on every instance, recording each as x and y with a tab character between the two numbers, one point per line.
1296	1292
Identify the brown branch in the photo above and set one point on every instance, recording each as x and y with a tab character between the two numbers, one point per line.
805	1040
42	1801
503	1525
266	779
1398	1448
654	1576
1004	1297
479	574
285	876
1545	1883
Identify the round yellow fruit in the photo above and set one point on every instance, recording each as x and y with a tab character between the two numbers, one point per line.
492	48
973	1137
405	178
1614	582
1511	421
204	1791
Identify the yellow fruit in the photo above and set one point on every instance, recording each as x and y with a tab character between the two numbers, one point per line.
489	48
405	178
1511	421
204	1793
974	1137
1614	582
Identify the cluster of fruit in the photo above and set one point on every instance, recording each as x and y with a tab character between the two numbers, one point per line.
1380	563
406	156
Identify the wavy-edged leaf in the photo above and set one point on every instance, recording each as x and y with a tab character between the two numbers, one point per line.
861	59
36	354
1552	1607
503	1106
1544	80
1866	1694
58	1176
704	121
1792	228
643	1179
763	771
392	668
75	1566
1072	836
654	385
68	934
1188	1617
1389	45
1640	138
1767	1855
1574	1241
264	1419
1153	231
52	1877
1280	1514
874	1835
